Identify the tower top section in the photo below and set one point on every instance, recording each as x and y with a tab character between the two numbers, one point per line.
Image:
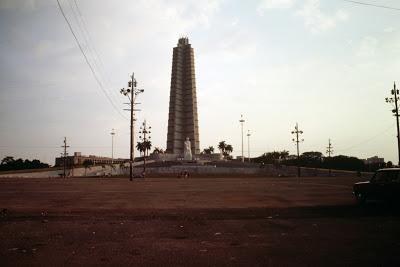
183	41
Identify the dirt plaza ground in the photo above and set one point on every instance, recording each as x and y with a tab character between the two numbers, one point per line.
241	221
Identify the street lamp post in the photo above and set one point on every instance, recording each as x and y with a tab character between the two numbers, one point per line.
395	111
297	132
248	143
64	155
145	137
131	92
329	150
112	145
241	123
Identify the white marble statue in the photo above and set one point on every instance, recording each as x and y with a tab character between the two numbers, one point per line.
187	150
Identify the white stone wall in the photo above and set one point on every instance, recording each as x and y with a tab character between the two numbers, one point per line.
101	171
106	170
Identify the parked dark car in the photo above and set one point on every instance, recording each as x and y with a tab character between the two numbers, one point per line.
384	185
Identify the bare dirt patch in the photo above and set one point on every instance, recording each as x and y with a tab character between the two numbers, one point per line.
200	221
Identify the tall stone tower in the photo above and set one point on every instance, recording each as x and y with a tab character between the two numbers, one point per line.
182	120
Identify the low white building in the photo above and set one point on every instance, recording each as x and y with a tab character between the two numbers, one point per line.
374	160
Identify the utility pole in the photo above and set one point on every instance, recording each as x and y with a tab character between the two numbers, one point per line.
112	145
131	92
395	111
329	150
248	143
64	155
297	132
145	137
241	123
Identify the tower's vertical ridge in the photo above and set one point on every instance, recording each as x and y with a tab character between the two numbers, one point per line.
183	118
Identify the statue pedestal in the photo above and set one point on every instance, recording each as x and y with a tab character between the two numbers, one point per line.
187	157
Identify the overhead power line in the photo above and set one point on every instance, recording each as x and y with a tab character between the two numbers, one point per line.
373	5
87	60
95	56
91	51
367	140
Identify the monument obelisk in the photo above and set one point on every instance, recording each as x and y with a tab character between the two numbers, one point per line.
182	120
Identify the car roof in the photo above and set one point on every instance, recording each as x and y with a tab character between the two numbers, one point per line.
388	169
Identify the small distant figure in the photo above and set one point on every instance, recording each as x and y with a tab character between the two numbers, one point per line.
141	175
184	174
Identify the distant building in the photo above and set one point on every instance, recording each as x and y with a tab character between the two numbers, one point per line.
211	157
182	120
78	159
291	157
374	160
240	158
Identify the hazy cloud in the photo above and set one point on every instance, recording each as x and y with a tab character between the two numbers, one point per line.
389	30
317	21
367	47
270	4
23	4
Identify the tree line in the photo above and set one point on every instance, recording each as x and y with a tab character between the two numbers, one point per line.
225	149
315	159
9	163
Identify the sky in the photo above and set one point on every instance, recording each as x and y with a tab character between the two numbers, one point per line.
324	64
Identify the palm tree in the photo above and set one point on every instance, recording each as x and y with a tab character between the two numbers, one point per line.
146	146
208	150
158	150
228	150
140	147
276	155
87	163
284	155
143	147
222	146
